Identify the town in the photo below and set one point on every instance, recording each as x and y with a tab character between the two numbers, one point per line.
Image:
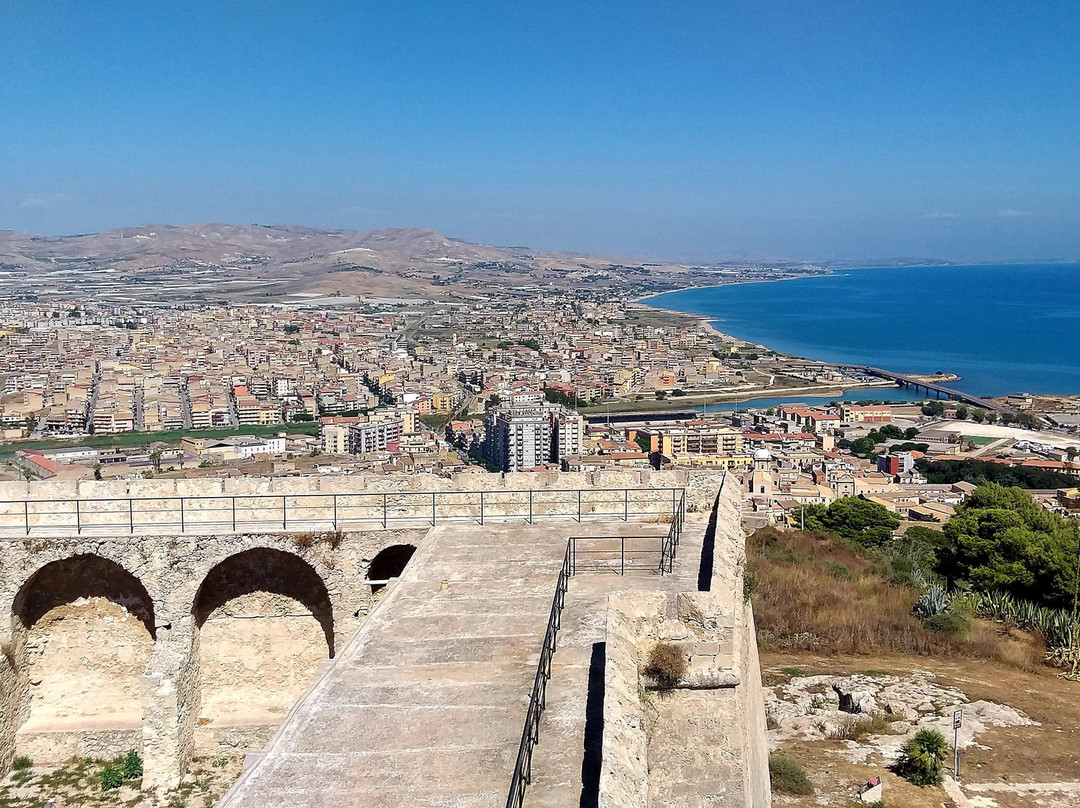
95	391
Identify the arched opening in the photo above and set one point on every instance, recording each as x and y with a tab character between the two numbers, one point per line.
265	622
389	563
88	628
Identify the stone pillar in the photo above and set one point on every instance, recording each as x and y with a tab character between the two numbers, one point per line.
170	699
14	692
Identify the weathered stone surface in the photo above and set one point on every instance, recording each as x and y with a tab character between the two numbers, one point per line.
815	707
405	717
59	589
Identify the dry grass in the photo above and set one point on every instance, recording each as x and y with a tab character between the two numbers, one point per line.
801	603
666	664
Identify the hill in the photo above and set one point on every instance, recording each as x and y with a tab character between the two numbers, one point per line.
261	263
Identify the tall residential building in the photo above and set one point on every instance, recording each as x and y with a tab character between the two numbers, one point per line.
374	435
517	438
569	435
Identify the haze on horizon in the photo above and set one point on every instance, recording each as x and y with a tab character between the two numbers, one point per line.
688	130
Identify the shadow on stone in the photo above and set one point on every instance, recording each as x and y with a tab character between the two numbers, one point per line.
708	547
594	729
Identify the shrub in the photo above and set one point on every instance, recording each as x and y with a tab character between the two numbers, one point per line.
787	776
948	623
132	766
21	763
837	569
666	664
921	758
749	584
111	778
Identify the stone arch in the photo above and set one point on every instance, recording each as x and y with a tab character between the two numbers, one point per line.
389	563
263	569
83	630
264	621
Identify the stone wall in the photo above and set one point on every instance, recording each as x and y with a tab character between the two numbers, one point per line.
624	773
55	589
702	740
305	503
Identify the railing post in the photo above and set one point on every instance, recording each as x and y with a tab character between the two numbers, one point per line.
183	527
284	515
622	555
131	516
626	504
433	509
26	515
530	507
579	506
672	504
233	499
78	519
481	508
335	511
384	511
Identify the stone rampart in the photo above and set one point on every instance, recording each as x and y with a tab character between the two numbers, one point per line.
171	583
705	738
209	505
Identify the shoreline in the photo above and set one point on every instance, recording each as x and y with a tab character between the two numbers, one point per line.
695	400
709	324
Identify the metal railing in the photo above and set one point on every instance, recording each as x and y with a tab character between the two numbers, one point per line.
315	511
616	553
671	542
530	734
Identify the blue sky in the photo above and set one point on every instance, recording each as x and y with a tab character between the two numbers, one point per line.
691	130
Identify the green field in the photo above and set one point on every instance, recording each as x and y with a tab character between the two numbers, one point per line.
130	439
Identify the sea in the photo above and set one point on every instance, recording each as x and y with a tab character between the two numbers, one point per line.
1004	328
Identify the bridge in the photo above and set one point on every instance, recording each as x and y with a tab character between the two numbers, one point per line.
939	390
420	615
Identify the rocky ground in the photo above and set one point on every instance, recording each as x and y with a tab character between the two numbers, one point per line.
845	723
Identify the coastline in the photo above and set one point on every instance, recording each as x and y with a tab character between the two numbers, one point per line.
969	353
709	324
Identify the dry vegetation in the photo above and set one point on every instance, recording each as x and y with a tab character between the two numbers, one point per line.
817	592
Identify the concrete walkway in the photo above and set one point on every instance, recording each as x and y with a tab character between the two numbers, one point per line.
425	705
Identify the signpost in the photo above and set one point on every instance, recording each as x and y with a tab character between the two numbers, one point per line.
957	721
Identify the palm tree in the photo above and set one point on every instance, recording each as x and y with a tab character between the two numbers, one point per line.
921	758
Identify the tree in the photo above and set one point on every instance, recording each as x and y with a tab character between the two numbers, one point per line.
865	523
155	458
991	417
921	758
911	432
1001	539
933	408
978	415
961	413
660	395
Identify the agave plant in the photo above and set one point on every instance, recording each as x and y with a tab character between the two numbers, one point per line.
934	600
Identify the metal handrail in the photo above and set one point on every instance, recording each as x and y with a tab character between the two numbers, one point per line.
671	542
530	733
331	510
615	554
